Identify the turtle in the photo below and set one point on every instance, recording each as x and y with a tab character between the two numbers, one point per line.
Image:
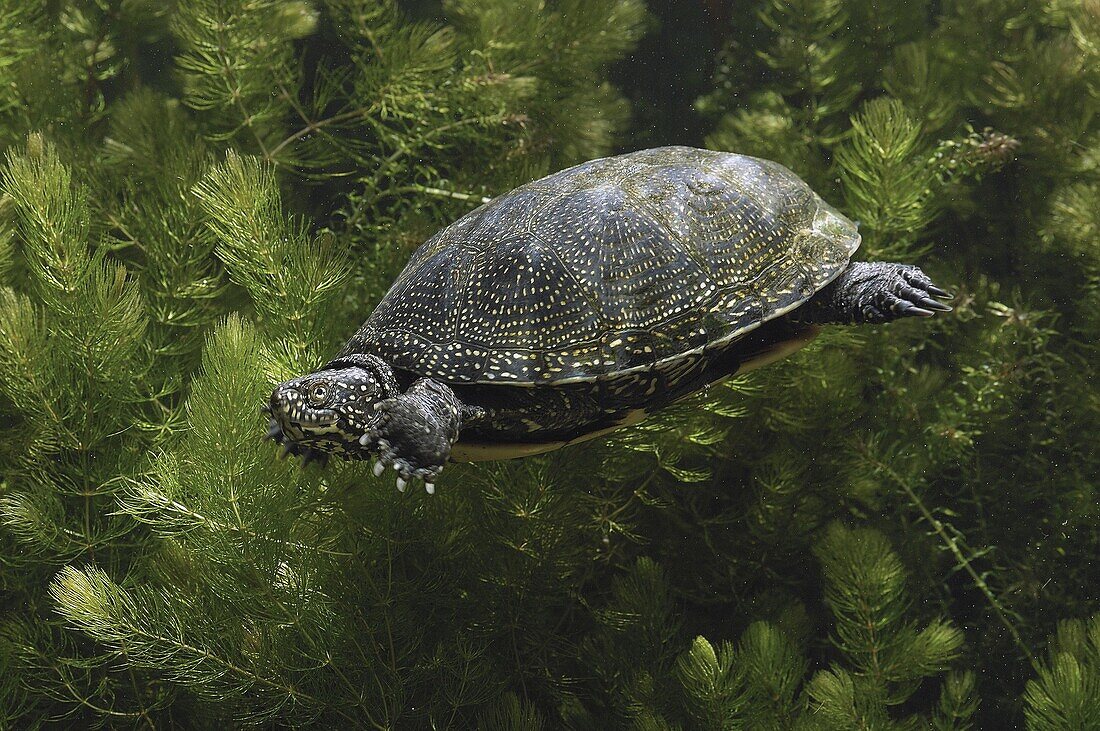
585	301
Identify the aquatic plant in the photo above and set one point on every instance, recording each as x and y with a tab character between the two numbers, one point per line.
200	199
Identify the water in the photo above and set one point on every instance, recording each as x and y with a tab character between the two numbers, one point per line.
881	522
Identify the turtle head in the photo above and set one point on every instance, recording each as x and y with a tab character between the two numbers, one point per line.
327	411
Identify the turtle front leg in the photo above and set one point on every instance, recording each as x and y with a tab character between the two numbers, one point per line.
874	292
414	432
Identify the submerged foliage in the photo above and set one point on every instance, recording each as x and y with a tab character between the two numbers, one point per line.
894	528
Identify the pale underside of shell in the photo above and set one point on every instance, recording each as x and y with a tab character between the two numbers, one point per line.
616	265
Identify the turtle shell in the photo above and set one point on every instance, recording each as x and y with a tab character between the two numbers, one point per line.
614	265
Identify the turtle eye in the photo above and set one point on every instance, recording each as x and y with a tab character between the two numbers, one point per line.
318	394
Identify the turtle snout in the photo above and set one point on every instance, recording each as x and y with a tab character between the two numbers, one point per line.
285	401
284	428
302	406
274	424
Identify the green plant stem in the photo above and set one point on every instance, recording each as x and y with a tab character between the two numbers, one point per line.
960	558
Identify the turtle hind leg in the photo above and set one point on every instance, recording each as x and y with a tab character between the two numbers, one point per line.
874	292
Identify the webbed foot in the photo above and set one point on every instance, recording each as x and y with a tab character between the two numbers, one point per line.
414	432
875	292
393	454
910	294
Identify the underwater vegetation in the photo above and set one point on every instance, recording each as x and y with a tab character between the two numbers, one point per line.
895	527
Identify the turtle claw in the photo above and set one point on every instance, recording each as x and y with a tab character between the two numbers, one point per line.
930	304
406	471
874	293
913	295
933	289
